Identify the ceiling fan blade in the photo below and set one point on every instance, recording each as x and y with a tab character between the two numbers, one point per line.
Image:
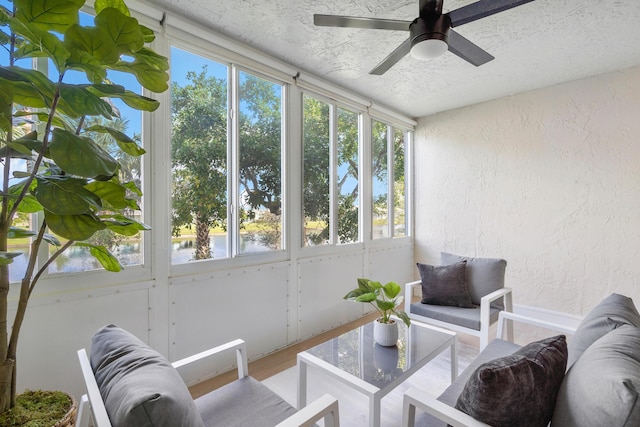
430	7
482	9
467	50
392	58
356	22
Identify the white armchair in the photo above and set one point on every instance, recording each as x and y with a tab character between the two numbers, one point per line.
485	280
128	377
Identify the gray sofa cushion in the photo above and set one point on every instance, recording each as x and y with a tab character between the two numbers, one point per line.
139	386
484	275
245	402
612	312
445	285
496	348
465	317
519	389
602	387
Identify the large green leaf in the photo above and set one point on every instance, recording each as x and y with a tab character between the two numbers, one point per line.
100	5
6	97
110	192
65	195
130	98
104	257
40	43
22	147
391	289
29	88
47	14
92	67
20	233
126	228
153	59
73	227
149	77
92	40
78	101
80	155
125	143
6	258
123	30
29	203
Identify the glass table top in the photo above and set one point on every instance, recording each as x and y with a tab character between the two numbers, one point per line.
356	352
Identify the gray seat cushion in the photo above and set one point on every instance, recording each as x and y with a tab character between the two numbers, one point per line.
465	317
612	312
496	348
602	388
138	385
245	402
484	275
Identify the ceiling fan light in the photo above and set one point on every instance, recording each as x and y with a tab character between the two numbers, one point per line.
428	49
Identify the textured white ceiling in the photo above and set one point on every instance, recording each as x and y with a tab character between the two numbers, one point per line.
539	44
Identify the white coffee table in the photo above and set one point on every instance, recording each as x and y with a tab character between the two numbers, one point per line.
356	360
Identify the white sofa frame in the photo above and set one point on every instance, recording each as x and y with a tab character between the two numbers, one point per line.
414	398
91	410
485	313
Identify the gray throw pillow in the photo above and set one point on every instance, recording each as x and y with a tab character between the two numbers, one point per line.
484	275
139	386
517	390
603	387
445	285
612	312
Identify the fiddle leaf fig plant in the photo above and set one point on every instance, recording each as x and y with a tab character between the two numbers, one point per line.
384	298
54	170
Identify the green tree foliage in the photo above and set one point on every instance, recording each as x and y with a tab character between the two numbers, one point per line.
199	156
51	163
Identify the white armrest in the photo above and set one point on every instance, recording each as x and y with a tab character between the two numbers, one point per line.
414	398
532	321
238	345
325	407
497	294
408	294
92	406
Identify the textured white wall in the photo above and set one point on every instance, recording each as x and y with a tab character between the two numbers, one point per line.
549	180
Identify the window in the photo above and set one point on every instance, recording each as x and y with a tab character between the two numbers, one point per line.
128	249
347	179
226	166
199	106
388	166
316	171
330	173
380	179
260	171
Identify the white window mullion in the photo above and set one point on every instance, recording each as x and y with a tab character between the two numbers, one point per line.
333	174
390	180
233	150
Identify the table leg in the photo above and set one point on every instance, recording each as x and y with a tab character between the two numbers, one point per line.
374	411
302	384
454	360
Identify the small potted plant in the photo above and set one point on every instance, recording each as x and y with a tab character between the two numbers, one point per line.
385	299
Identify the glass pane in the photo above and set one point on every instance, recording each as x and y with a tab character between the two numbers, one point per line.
347	180
380	180
399	188
198	157
260	204
128	249
316	171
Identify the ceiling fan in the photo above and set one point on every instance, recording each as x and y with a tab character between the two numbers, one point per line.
430	34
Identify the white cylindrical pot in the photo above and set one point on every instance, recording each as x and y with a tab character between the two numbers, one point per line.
385	334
